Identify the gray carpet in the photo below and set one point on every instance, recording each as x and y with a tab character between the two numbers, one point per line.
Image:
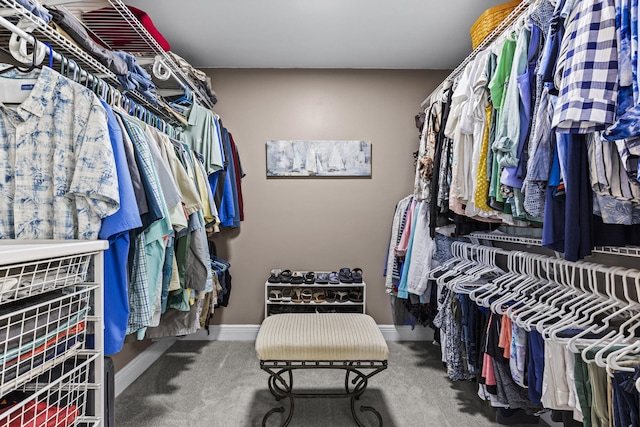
220	384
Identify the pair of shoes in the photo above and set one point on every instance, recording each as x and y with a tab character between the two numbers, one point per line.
275	276
333	278
297	278
296	295
310	278
355	295
275	295
356	275
319	296
322	278
285	276
345	275
306	295
342	295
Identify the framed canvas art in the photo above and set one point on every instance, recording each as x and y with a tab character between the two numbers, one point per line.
318	158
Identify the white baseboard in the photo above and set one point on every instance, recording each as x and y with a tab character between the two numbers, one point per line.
132	370
250	332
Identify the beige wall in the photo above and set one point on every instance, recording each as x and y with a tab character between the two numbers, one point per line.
317	224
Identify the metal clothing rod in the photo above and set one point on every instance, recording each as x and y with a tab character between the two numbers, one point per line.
531	241
499	30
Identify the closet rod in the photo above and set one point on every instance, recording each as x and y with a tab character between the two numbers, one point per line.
75	67
631	251
499	30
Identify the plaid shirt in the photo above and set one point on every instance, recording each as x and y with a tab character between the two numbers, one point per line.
589	70
57	170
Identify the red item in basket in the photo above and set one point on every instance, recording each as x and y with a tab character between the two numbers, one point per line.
40	414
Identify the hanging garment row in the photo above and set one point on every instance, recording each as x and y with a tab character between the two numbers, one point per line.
540	332
76	167
532	134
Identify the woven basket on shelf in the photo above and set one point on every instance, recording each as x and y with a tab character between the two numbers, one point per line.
489	20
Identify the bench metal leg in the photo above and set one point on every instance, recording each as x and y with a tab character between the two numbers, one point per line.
355	384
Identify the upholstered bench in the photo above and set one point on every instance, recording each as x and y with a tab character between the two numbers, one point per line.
348	341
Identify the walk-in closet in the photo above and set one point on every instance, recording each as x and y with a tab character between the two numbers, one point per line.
337	213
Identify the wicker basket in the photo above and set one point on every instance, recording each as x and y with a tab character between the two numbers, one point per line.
489	20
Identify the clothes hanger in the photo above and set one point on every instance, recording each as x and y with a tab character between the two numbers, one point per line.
486	266
539	308
19	46
517	288
459	252
619	354
589	323
562	299
623	336
527	295
160	69
505	292
569	310
16	89
455	251
552	304
487	290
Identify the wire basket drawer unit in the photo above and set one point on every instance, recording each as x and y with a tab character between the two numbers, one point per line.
50	334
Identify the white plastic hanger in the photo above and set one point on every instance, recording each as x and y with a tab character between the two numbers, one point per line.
527	295
541	307
622	336
573	310
589	323
525	268
483	295
554	303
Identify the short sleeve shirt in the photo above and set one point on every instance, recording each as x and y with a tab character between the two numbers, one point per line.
57	170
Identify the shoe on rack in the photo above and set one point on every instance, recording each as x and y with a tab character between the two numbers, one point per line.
345	275
319	296
297	278
356	275
287	295
306	295
322	278
309	278
275	295
355	295
342	295
333	278
275	276
296	295
285	276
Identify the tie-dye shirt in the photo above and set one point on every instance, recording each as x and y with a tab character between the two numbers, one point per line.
57	170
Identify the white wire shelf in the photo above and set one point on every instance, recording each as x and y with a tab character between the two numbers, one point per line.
14	12
631	251
133	37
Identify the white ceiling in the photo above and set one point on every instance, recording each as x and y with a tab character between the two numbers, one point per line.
402	34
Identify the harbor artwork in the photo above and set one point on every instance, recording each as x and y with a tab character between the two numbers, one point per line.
318	158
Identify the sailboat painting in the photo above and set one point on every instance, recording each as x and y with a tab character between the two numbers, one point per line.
318	158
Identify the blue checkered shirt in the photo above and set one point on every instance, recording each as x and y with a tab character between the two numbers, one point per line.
589	70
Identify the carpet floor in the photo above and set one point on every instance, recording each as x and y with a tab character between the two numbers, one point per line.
220	384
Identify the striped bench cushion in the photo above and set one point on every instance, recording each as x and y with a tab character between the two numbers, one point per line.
325	336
